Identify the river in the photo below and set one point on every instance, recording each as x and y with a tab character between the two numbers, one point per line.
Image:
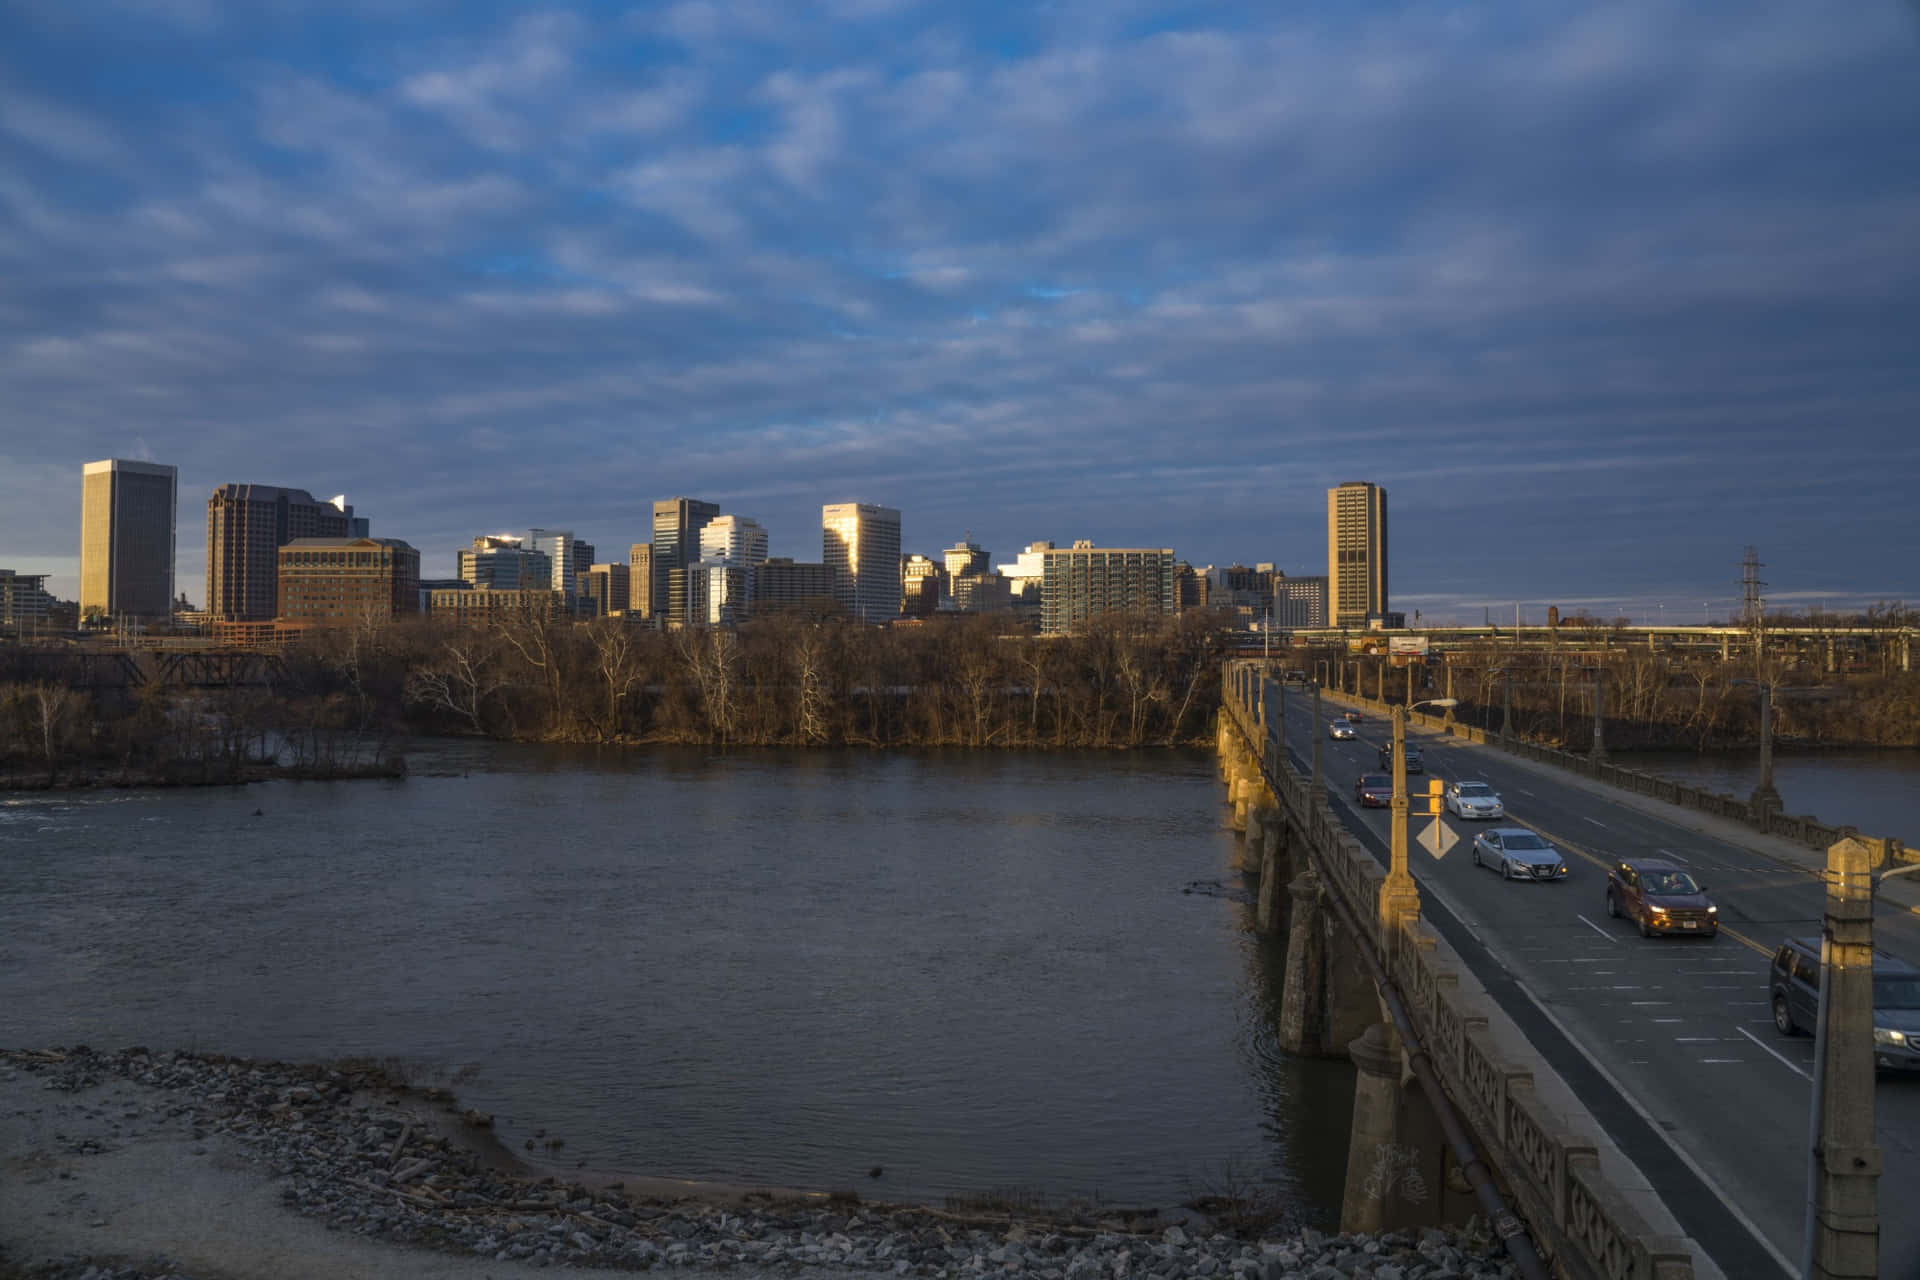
1876	792
979	972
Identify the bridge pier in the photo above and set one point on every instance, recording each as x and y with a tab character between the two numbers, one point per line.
1374	1155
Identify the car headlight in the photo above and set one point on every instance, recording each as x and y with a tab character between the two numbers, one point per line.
1887	1035
1659	911
1563	868
1713	911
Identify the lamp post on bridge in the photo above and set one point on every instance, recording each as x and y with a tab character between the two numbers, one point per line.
1400	897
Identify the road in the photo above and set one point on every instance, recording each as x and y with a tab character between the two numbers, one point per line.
1668	1041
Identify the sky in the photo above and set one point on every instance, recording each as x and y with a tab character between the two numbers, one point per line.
1601	294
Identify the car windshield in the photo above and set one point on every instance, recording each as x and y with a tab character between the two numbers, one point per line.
1522	840
1668	882
1475	789
1896	991
1375	780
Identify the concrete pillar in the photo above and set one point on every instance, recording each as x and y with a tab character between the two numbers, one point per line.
1275	871
1599	752
1765	799
1847	1163
1303	987
1830	666
1374	1157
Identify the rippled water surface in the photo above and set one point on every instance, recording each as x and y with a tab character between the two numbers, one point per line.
977	971
1877	792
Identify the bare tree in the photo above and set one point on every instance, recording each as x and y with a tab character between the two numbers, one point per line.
52	711
463	677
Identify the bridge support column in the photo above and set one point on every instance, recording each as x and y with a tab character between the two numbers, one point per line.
1375	1159
1303	989
1275	869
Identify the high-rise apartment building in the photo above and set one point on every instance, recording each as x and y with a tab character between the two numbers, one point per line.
247	524
1085	581
127	538
341	581
503	562
677	523
1356	552
861	542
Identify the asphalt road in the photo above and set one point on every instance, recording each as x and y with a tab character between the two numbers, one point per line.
1668	1041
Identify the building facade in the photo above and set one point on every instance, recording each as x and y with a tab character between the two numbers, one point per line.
677	523
339	581
486	607
922	582
1356	552
24	601
640	580
861	543
247	524
787	584
127	532
609	588
1084	581
568	556
503	562
1300	602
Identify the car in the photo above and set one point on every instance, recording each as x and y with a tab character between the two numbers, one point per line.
1518	854
1373	790
1352	717
1661	898
1416	763
1473	800
1294	675
1793	990
1341	730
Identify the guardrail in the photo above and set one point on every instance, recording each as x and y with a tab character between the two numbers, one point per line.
1809	831
1585	1225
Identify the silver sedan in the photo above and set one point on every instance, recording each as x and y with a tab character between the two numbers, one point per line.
1518	854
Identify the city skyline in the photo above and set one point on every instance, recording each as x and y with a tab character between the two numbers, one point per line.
1600	297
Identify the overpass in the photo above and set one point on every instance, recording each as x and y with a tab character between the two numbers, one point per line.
1666	1045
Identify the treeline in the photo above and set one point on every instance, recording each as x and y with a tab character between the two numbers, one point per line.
1666	700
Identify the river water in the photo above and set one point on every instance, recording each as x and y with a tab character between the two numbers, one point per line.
980	972
1877	792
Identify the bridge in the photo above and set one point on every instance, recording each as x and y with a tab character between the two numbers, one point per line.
1630	1097
93	669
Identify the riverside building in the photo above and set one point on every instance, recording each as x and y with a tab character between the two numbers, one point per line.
677	523
503	562
127	531
337	581
1085	581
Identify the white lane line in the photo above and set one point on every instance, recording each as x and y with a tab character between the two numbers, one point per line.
1653	1002
1669	1019
1784	1061
1668	853
1597	929
1523	791
1696	1039
1596	822
1723	1059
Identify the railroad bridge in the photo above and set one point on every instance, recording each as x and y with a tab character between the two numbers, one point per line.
79	667
1447	1121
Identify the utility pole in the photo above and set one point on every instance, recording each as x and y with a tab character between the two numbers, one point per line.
1599	752
1766	797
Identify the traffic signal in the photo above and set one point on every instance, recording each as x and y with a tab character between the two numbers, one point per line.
1430	803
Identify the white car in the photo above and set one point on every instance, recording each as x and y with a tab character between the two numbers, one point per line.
1342	730
1474	800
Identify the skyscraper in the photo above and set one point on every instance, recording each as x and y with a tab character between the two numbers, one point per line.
676	544
568	556
247	524
127	538
1085	581
1356	552
640	579
861	543
503	562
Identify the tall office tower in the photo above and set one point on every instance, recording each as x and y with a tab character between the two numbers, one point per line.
640	580
676	544
922	583
357	526
966	557
1086	581
736	539
569	557
862	544
247	524
1356	552
503	562
609	587
24	602
126	538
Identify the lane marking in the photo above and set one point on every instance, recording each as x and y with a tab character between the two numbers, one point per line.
1596	822
1668	853
1723	1060
1653	1002
1745	941
1597	929
1782	1058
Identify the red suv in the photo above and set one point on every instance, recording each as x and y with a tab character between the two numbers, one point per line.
1661	898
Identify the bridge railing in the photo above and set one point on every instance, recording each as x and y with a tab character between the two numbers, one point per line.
1584	1223
1802	829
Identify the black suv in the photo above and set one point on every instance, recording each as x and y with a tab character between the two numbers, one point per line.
1793	989
1414	763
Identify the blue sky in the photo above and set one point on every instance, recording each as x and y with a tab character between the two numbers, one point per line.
1600	293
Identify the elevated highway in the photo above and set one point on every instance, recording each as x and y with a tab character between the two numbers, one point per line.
1667	1041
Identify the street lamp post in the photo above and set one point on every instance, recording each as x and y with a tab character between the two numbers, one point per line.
1399	897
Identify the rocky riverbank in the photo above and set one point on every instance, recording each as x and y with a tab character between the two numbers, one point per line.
350	1147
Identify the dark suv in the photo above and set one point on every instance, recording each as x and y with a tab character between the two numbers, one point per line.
1414	762
1793	989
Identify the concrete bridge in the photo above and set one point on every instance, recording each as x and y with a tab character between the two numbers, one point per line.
1454	1111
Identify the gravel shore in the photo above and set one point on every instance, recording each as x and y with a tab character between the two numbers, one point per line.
132	1165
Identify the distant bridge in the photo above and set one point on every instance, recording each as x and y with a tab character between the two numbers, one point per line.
89	668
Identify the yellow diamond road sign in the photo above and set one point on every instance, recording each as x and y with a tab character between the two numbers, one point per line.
1438	837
